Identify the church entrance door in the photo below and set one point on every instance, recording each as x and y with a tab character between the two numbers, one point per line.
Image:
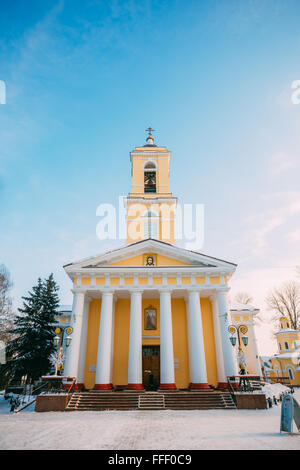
151	367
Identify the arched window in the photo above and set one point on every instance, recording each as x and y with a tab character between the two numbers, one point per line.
286	345
151	224
291	374
150	177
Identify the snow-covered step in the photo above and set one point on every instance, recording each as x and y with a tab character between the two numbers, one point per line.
151	401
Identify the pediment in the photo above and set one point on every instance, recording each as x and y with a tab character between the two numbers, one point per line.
166	255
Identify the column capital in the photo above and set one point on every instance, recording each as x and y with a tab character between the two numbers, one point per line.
78	291
165	290
222	290
136	290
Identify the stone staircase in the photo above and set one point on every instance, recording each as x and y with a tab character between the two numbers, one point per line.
151	401
199	400
179	400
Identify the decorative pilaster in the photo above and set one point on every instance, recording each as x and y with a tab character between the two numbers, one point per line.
104	356
198	375
72	365
135	376
167	376
230	361
218	342
83	339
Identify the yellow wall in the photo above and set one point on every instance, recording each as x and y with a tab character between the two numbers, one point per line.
92	342
121	340
139	260
180	343
209	341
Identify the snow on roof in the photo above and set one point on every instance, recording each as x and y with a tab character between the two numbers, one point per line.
242	307
286	355
65	308
287	330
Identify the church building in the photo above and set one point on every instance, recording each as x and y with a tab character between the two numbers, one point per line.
151	314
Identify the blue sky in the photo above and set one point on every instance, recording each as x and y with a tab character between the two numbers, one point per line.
84	79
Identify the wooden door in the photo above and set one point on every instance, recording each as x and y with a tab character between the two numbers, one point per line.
151	367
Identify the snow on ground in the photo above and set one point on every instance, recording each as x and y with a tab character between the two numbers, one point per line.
139	430
274	390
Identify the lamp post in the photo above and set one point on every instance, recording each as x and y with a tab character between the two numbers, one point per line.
243	329
239	331
58	341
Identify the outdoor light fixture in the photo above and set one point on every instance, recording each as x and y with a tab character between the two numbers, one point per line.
69	337
235	331
57	337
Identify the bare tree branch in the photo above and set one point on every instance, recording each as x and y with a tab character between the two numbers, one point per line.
6	311
285	302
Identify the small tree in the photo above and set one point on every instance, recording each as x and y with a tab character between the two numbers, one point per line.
6	311
30	351
243	298
285	302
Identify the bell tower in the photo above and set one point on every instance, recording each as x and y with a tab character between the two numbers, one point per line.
150	204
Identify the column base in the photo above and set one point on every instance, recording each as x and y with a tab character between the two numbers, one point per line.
223	385
104	387
167	387
199	386
135	387
79	386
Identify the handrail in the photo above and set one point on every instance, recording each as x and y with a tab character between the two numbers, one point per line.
231	389
28	404
69	391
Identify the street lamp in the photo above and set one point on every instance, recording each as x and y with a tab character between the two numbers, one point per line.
69	337
241	329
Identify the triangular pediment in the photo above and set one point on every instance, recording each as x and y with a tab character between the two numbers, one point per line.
165	255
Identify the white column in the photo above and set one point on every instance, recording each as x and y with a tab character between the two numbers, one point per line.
218	343
104	356
197	362
167	376
258	371
135	376
228	352
83	339
71	366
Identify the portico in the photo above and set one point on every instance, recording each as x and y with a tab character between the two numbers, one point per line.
190	304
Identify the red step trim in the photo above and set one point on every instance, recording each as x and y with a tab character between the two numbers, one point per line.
135	387
223	385
79	386
102	387
167	387
199	386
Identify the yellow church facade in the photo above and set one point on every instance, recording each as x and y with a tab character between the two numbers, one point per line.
150	314
285	365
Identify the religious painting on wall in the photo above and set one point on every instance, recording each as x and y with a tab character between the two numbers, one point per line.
150	318
150	260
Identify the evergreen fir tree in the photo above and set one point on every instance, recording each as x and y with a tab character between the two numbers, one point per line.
30	350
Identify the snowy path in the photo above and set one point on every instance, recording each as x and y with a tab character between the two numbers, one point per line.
115	430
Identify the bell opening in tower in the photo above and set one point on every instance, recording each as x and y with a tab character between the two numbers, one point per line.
150	182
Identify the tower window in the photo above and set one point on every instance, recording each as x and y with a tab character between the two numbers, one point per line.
291	375
150	182
286	345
